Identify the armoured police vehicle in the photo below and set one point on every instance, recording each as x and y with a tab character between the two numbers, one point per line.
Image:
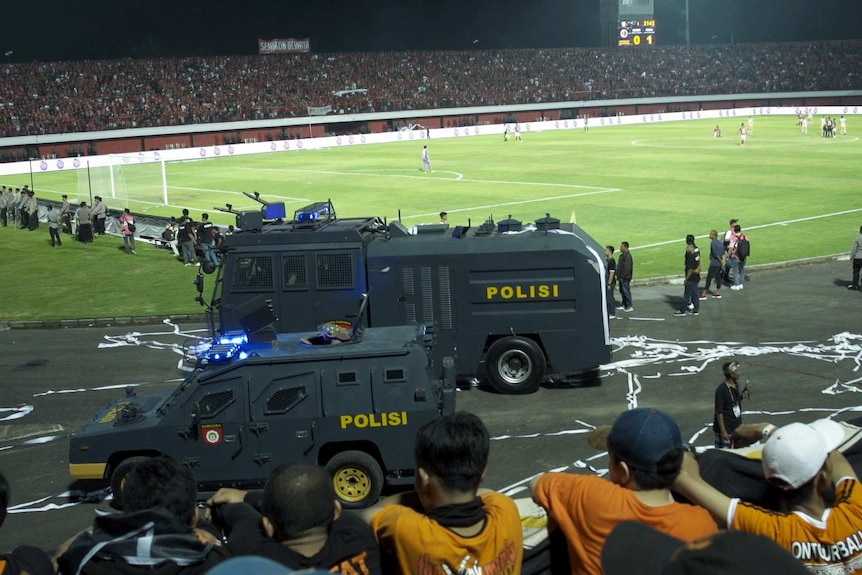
349	400
512	303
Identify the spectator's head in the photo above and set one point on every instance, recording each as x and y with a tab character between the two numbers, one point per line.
609	252
737	228
689	240
645	450
713	234
65	197
733	222
298	498
173	219
83	204
795	458
5	496
127	212
50	207
185	211
205	216
638	549
162	481
451	457
624	247
444	216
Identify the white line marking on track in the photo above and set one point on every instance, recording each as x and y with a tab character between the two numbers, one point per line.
762	226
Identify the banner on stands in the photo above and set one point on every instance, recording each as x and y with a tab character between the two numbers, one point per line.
284	46
319	110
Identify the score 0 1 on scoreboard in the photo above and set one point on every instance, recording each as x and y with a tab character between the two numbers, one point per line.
636	33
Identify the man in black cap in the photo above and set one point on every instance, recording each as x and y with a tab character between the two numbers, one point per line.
691	294
645	454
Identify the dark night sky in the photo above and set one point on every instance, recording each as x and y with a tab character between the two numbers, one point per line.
56	30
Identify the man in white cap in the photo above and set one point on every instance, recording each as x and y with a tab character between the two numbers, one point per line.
800	461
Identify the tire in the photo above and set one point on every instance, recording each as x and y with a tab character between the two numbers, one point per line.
118	478
356	478
515	365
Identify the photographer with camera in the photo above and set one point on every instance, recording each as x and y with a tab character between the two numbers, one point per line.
728	405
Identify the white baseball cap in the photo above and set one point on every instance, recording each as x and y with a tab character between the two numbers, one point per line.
796	452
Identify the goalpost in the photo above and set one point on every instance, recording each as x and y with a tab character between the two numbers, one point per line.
137	178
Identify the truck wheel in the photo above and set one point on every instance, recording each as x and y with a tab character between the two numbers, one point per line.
515	365
356	478
118	478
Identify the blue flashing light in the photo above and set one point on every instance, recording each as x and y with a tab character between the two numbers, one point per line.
233	338
243	355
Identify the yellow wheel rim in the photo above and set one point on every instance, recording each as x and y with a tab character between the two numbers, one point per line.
351	484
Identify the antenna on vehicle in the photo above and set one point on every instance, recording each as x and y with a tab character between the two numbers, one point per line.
354	331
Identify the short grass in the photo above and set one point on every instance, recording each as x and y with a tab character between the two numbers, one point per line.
796	196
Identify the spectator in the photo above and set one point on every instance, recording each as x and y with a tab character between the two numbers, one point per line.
801	462
157	532
637	549
23	559
448	522
610	278
302	525
127	221
645	453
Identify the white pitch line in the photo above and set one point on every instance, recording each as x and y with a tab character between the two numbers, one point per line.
762	226
290	198
460	178
500	205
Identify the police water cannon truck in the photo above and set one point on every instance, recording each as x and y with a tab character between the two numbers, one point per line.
350	400
512	303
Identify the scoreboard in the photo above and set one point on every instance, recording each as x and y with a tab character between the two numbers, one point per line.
636	33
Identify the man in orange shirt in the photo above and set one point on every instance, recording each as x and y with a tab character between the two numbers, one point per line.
800	461
645	453
448	525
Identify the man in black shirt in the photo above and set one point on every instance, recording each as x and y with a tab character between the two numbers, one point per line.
206	237
302	525
691	296
187	237
728	405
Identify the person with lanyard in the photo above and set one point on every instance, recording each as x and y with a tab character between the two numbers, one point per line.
728	405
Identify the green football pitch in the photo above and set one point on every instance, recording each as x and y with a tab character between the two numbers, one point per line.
796	196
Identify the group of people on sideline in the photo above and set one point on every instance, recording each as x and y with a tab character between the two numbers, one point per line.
631	522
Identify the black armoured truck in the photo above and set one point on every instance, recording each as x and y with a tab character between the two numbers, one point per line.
511	303
350	400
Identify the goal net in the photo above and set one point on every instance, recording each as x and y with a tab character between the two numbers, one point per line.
127	179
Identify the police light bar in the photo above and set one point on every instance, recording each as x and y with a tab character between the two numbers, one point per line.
232	338
314	212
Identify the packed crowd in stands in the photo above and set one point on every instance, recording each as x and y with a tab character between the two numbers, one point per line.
628	524
62	97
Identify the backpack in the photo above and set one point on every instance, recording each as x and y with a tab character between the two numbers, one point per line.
131	226
743	248
168	235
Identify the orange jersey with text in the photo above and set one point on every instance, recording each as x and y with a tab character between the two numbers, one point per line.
422	546
831	544
587	508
